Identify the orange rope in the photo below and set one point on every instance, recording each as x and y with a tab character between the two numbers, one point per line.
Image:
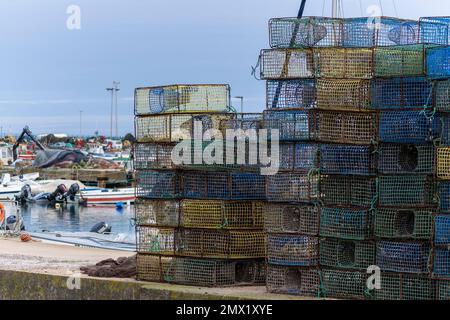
25	237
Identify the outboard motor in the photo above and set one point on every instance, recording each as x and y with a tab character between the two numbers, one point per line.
73	190
12	223
25	194
101	227
58	194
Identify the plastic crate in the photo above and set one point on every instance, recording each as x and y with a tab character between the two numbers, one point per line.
305	32
347	254
408	127
437	62
293	280
159	213
292	250
298	156
291	125
343	94
406	257
158	184
286	64
292	187
407	191
347	159
291	94
344	284
435	30
403	286
401	93
345	127
358	191
344	63
406	159
442	230
400	61
291	218
343	223
404	224
182	98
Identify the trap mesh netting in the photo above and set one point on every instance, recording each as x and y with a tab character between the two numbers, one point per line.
291	218
346	159
438	65
292	187
343	223
406	158
403	286
298	156
347	254
291	94
286	64
435	30
344	284
293	280
292	250
291	125
408	257
182	98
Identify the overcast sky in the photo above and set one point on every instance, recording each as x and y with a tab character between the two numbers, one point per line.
49	73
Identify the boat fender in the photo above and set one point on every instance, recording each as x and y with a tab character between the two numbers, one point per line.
101	227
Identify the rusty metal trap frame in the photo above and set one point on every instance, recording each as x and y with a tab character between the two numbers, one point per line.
412	127
201	272
298	156
404	223
347	159
347	254
346	284
291	125
343	94
437	64
407	191
406	159
291	218
353	191
404	257
292	250
346	223
293	280
157	213
435	30
404	286
174	127
292	187
442	230
345	127
182	98
286	64
291	94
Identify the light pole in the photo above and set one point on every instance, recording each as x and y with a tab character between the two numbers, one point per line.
116	89
242	102
113	90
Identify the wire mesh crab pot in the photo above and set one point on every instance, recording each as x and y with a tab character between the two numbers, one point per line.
442	95
343	284
345	127
243	121
406	257
182	98
347	159
379	31
443	163
291	218
305	32
438	66
442	289
441	263
435	30
201	272
292	250
286	64
404	224
444	196
293	280
291	125
347	254
343	94
221	244
412	127
163	213
292	187
344	63
156	240
403	286
175	127
406	159
210	214
407	191
358	191
153	156
291	94
298	156
158	184
401	93
442	230
345	223
400	61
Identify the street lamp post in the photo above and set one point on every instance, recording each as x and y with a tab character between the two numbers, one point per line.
113	90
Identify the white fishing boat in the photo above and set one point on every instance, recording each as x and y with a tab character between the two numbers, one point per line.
97	196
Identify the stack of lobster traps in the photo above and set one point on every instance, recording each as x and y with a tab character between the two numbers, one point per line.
199	219
370	96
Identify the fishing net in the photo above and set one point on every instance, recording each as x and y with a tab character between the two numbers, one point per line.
403	223
343	223
347	254
345	127
292	250
298	156
403	286
356	191
291	218
406	158
343	94
407	191
437	64
293	280
158	213
343	284
291	94
292	187
435	30
346	159
291	125
287	64
182	98
409	257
